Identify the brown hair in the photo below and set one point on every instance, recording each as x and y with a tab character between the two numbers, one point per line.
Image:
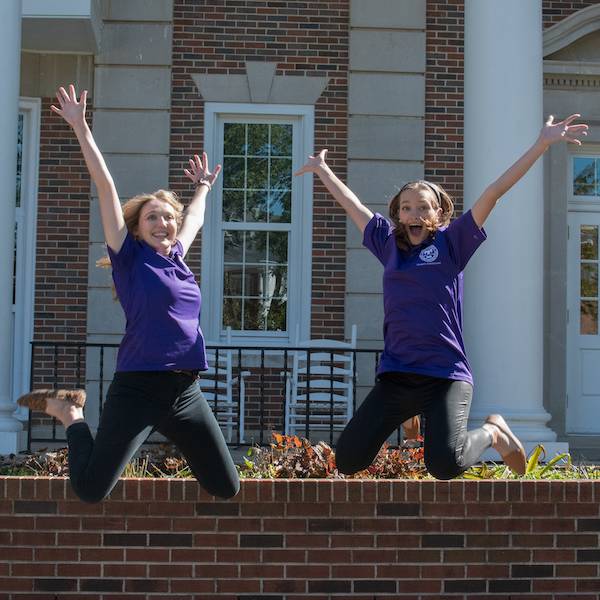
133	207
442	200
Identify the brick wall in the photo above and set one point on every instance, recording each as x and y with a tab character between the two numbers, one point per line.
303	39
556	10
288	540
444	93
62	248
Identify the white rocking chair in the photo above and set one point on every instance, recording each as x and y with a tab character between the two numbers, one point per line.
320	386
217	385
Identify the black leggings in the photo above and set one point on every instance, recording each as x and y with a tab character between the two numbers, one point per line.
449	448
137	404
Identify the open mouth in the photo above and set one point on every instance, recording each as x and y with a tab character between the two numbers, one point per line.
415	229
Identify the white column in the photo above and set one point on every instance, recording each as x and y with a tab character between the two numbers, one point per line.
10	59
504	281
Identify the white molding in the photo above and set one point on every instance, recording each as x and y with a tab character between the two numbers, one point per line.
23	324
571	29
300	257
565	67
57	9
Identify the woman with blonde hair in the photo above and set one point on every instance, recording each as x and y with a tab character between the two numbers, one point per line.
424	367
155	385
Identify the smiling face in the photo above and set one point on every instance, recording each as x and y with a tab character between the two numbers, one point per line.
157	225
417	207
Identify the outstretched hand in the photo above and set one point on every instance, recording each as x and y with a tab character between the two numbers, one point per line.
71	109
313	164
199	173
563	131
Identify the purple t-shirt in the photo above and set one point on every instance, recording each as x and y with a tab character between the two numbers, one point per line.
422	298
161	300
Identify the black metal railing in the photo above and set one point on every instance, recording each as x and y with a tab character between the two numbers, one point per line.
258	390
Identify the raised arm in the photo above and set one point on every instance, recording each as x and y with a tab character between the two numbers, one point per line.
344	196
551	133
193	218
73	112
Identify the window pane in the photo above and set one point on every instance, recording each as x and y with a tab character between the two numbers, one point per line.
233	205
584	177
258	140
258	173
234	139
281	140
255	280
233	173
589	280
233	246
256	207
281	173
256	246
278	247
280	206
589	242
277	315
254	314
277	278
232	280
589	317
232	313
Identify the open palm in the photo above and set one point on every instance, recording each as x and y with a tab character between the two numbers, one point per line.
71	109
563	131
199	172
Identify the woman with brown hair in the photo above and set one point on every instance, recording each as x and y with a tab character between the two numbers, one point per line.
155	385
424	367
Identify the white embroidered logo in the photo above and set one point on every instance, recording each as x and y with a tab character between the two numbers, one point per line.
429	254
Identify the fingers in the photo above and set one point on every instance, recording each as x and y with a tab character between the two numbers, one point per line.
72	94
217	171
323	154
62	95
83	98
56	110
571	118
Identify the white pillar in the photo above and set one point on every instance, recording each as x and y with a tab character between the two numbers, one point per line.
10	59
504	281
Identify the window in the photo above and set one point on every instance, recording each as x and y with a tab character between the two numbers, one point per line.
256	238
586	176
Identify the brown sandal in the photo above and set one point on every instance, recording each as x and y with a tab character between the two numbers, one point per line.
36	400
515	456
412	428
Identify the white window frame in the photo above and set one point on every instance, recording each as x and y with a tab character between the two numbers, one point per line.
300	249
582	203
26	218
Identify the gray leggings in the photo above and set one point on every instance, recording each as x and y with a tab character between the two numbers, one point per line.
137	404
449	448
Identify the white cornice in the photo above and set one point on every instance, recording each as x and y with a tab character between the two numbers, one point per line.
565	67
571	29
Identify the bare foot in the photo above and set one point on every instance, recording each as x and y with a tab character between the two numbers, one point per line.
506	443
66	412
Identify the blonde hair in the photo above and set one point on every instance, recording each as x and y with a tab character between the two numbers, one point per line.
442	199
133	207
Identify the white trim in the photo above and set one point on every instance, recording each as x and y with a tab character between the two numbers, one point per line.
571	29
57	9
566	67
25	292
299	290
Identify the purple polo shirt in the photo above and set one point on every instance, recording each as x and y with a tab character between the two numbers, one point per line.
422	298
161	301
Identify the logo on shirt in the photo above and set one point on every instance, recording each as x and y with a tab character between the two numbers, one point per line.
429	254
